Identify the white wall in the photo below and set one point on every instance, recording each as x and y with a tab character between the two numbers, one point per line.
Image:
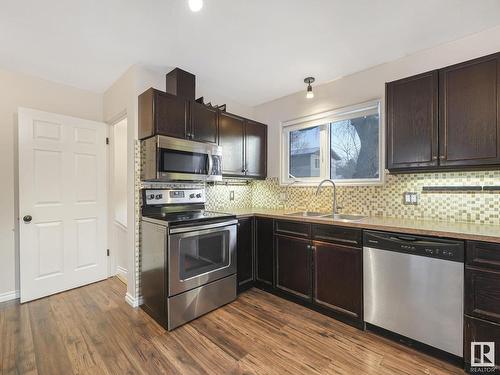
22	90
367	85
119	186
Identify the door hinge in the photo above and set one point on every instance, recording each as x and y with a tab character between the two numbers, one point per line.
107	252
107	140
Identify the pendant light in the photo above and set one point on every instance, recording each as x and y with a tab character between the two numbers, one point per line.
309	94
195	5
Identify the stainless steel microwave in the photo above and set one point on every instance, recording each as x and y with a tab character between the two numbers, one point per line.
172	159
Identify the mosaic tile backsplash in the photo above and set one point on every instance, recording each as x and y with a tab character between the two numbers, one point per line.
380	200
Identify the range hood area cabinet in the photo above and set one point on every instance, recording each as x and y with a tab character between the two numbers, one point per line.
244	146
445	119
161	113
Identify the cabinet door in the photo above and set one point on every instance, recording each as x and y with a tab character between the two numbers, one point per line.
245	258
203	123
477	330
338	278
293	266
231	138
482	294
171	115
256	149
469	117
412	122
264	250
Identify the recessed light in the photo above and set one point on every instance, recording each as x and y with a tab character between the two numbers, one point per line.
195	5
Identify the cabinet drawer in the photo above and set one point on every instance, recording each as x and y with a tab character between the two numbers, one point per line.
292	228
483	254
477	330
339	235
482	294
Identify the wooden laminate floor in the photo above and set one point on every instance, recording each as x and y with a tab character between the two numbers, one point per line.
92	330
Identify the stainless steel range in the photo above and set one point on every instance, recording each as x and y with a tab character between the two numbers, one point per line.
188	256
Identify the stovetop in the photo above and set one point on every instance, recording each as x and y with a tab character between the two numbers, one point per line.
187	216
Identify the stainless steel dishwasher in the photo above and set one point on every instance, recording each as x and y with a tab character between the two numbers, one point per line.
414	287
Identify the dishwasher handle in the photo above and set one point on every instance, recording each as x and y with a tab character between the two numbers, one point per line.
416	245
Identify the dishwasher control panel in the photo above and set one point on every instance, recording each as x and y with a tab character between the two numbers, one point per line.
417	245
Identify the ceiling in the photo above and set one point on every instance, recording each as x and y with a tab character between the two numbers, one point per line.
251	51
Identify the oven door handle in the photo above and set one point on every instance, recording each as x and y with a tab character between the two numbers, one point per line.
203	227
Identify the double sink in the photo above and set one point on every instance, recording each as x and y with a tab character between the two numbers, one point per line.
339	217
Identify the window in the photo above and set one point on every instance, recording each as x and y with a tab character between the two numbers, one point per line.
343	145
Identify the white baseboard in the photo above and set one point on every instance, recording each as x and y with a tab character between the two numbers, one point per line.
134	302
121	273
4	297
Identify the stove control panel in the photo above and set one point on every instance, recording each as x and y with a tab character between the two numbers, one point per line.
176	196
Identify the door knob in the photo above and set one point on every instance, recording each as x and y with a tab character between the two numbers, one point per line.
27	219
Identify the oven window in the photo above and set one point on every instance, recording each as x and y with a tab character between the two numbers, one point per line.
174	161
203	253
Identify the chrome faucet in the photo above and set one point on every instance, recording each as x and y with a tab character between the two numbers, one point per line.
334	208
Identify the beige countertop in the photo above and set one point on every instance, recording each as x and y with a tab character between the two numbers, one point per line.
466	231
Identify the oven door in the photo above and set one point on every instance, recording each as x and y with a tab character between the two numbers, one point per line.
200	254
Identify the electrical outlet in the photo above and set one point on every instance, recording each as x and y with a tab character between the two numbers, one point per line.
231	195
282	197
410	198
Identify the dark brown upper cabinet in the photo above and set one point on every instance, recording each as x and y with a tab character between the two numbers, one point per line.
445	119
204	123
412	122
232	140
255	149
244	146
469	115
162	114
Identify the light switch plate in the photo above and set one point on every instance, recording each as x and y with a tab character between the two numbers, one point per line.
410	198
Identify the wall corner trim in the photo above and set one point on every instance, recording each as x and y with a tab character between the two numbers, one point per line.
134	302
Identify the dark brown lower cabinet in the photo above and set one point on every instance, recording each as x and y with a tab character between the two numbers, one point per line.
478	330
338	278
264	250
245	251
293	266
482	294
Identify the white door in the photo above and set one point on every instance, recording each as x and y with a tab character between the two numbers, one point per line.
62	189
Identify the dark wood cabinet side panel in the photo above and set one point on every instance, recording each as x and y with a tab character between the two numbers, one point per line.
293	266
146	114
469	124
264	250
338	278
231	138
245	258
412	122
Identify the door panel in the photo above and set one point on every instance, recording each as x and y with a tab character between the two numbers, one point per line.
203	123
245	267
293	266
412	122
469	123
264	250
338	278
255	149
171	115
231	138
62	185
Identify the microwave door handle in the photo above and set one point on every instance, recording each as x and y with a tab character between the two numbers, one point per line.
210	164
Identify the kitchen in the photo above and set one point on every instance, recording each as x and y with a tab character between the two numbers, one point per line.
246	248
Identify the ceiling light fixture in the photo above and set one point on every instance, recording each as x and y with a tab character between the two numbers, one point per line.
310	93
195	5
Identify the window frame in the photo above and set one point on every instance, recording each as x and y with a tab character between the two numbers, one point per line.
324	119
